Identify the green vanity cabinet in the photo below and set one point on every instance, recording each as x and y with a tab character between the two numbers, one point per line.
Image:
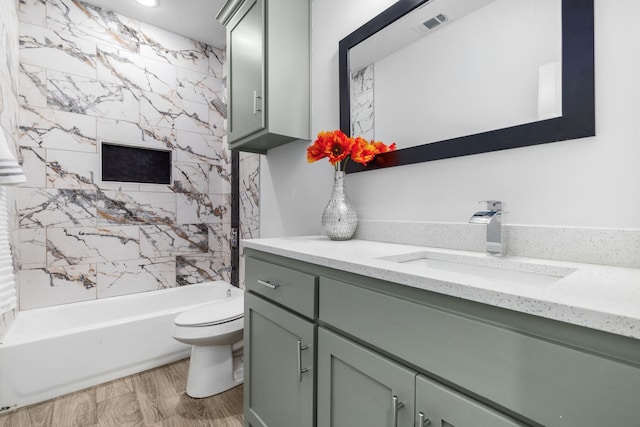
359	388
268	56
279	376
450	362
438	405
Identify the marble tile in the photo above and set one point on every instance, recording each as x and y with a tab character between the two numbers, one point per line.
217	59
220	237
34	166
198	87
85	245
121	207
162	111
170	240
93	23
249	194
125	68
127	277
33	248
76	94
39	207
162	45
201	268
73	170
53	50
362	92
203	208
33	12
191	177
45	287
220	179
33	86
202	148
40	127
218	119
134	133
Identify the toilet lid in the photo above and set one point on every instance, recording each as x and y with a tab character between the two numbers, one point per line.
213	313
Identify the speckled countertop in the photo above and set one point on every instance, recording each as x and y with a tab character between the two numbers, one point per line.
594	296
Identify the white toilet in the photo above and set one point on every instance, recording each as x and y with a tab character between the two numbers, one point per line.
214	330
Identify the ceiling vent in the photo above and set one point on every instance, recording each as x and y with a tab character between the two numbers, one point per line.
431	24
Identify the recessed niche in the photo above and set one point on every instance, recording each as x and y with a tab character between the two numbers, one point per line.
124	163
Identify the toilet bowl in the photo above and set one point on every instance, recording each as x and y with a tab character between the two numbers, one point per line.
214	330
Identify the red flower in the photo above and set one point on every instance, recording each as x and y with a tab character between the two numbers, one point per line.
338	147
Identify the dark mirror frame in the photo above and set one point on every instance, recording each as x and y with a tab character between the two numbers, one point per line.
578	94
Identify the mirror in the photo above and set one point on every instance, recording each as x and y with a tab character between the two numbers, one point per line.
449	78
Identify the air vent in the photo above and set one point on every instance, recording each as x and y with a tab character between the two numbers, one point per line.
431	24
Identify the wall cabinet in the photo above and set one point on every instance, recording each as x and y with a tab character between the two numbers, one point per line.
391	355
268	72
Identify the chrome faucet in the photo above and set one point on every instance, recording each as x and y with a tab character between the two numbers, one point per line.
492	217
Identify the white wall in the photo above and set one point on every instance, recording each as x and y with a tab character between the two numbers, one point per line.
591	182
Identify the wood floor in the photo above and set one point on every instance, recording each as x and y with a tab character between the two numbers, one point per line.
154	398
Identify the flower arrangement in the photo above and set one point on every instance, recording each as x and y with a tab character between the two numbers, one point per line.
339	148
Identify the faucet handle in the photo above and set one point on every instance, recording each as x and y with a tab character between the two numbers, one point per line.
492	205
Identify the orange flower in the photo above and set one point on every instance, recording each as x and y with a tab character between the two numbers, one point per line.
339	148
382	148
362	151
317	151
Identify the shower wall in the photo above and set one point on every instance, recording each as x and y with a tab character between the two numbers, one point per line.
9	111
88	75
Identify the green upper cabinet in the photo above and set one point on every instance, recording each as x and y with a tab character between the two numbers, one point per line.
268	72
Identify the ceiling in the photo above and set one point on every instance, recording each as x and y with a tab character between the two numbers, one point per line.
195	19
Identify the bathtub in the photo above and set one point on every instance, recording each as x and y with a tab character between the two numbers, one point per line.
52	351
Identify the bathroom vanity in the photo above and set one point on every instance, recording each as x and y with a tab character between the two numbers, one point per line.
364	333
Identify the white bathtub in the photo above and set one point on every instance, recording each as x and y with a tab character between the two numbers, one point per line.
52	351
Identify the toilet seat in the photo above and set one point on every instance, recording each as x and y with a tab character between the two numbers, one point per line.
212	313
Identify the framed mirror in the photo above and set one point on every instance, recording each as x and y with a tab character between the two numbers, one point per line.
450	78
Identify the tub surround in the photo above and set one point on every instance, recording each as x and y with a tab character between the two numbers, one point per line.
89	75
595	296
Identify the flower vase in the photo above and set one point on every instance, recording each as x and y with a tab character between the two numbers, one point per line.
339	219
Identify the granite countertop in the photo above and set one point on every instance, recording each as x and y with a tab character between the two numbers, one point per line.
595	296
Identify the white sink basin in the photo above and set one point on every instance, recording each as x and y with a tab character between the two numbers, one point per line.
516	270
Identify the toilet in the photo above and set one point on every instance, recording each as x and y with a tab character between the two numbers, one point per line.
214	330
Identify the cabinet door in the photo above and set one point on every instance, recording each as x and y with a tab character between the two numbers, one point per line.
441	406
278	363
245	37
360	388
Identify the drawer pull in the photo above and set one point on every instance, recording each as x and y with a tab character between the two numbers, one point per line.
396	405
300	369
268	284
422	421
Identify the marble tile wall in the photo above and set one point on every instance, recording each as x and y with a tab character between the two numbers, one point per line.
362	113
9	116
89	75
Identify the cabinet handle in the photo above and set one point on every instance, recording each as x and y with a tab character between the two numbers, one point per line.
422	421
268	284
300	369
396	405
255	102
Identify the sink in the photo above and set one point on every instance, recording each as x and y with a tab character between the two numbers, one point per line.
516	270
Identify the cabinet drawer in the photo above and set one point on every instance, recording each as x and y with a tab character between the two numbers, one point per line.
291	288
544	381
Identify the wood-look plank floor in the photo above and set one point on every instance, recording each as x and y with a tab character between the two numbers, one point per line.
154	398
